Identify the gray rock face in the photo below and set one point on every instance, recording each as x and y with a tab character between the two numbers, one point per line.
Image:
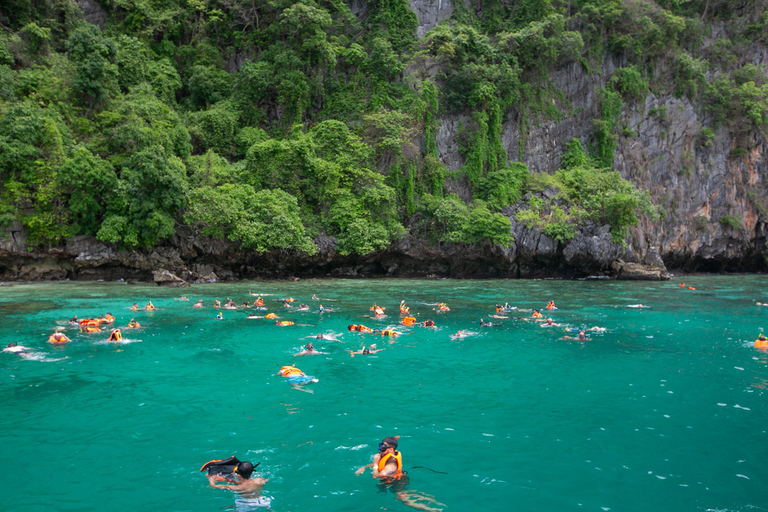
93	12
430	13
164	278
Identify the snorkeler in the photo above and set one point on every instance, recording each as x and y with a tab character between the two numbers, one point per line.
309	350
483	323
296	378
248	488
58	337
428	323
365	350
133	324
150	306
198	304
219	316
387	466
15	348
549	323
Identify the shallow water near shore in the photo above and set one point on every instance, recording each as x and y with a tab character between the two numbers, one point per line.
666	410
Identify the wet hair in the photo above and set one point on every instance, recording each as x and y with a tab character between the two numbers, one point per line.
310	346
244	469
390	441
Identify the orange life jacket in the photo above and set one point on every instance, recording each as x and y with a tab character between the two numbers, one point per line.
409	320
284	323
761	343
288	370
398	458
271	315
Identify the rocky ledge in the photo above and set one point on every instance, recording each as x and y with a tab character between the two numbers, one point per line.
190	258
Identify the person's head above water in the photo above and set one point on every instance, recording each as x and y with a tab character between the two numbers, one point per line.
388	442
761	337
244	469
310	346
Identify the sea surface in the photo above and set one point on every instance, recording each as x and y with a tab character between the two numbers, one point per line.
664	411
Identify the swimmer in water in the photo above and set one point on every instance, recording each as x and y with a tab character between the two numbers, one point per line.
219	316
297	378
182	298
19	350
387	467
483	323
314	297
549	323
248	489
365	350
597	329
115	335
581	337
636	306
58	337
134	307
309	350
428	323
461	334
198	304
323	336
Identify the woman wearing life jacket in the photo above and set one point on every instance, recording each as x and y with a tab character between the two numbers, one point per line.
133	324
115	335
404	310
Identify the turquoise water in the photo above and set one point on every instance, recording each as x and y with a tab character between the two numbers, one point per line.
666	410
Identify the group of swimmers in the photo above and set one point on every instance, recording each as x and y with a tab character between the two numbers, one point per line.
387	468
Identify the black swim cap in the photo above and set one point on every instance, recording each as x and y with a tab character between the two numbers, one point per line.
244	469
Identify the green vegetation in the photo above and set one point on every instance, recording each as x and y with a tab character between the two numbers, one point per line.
270	123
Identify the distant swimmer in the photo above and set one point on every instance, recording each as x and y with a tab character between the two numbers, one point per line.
283	323
551	305
248	489
404	310
258	302
365	350
58	337
322	336
377	310
150	306
219	316
303	307
597	329
442	307
115	335
581	337
409	320
314	297
483	323
637	306
134	307
198	304
271	315
308	350
19	350
761	341
296	378
549	323
389	332
216	303
388	468
359	328
182	298
428	323
759	304
537	315
133	324
461	334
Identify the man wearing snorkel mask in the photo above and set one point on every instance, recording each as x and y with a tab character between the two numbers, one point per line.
387	466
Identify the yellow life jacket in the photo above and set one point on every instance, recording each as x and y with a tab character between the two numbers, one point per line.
287	371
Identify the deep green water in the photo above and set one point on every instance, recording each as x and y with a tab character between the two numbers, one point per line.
665	411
